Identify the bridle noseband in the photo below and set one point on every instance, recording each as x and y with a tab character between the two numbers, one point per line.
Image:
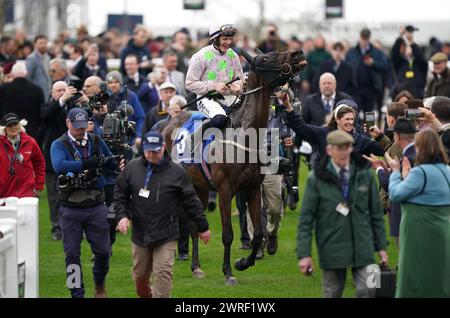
274	75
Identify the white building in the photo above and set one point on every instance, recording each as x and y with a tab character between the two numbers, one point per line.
48	16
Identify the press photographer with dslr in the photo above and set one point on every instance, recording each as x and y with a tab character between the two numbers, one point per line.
117	133
78	158
272	186
272	41
53	115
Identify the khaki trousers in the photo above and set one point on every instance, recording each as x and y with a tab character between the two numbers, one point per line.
155	263
272	205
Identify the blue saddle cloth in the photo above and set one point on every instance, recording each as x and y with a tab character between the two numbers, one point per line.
182	141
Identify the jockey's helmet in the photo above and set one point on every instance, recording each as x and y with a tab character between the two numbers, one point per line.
225	30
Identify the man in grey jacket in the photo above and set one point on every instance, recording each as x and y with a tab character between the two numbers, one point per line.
38	65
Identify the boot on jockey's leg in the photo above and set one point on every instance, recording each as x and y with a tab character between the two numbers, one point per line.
217	121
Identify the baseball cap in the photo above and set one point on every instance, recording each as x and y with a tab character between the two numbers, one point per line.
167	85
9	119
153	141
404	126
78	117
411	28
339	137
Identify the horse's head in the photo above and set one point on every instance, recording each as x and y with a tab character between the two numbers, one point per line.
276	69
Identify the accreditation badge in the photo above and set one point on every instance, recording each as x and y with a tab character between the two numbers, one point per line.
144	193
342	208
409	74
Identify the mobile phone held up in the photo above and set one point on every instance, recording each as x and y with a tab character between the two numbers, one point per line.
78	84
369	119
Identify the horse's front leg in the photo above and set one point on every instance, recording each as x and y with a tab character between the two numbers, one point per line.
227	233
254	208
197	272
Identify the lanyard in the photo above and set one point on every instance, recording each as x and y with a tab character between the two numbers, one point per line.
77	153
147	177
11	160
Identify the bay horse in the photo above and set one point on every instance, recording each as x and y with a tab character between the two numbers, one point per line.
267	71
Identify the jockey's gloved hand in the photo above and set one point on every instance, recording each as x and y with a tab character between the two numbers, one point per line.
216	96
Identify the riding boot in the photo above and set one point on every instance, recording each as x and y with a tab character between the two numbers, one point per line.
198	134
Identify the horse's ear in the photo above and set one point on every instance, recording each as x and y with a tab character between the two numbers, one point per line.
258	52
247	56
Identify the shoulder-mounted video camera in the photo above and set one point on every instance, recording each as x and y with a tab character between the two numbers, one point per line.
117	129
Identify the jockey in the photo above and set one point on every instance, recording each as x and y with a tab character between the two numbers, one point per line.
210	69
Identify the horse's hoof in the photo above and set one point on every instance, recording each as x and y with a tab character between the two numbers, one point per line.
231	281
241	264
198	273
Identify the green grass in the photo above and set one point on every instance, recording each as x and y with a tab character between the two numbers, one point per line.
273	276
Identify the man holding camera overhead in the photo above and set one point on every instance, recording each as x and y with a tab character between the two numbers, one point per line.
78	158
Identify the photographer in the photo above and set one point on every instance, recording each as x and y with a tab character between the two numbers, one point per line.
53	115
78	158
272	41
117	138
272	186
119	95
289	164
410	66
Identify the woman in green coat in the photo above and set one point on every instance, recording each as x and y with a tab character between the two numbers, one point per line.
424	259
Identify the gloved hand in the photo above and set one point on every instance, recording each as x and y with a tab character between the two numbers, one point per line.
91	162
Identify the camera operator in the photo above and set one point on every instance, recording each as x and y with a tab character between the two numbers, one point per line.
272	186
79	158
53	114
119	95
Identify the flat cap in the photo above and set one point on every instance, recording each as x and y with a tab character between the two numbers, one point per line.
167	85
439	57
339	137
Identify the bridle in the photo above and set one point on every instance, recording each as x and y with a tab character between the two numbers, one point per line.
273	74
